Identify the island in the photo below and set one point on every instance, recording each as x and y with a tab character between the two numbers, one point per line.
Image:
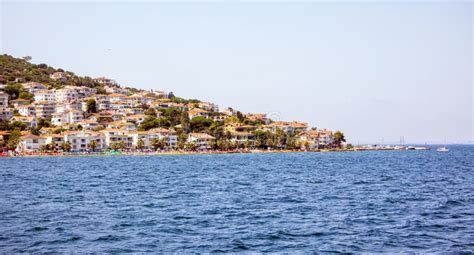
50	111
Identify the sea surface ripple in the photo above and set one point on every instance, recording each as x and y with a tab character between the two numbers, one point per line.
388	201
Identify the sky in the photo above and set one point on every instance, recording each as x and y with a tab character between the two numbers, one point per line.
376	71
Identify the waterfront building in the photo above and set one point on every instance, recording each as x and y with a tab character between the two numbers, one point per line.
202	140
30	143
56	140
81	140
113	136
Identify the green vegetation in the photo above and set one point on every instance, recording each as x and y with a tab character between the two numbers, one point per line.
91	106
339	138
12	68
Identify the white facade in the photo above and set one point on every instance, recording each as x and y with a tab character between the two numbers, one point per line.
80	140
62	95
44	109
26	110
3	100
67	117
30	143
45	96
202	140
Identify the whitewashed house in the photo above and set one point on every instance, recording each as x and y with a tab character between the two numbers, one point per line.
30	143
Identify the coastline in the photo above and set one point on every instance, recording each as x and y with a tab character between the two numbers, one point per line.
174	153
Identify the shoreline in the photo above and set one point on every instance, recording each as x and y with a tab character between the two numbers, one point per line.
175	153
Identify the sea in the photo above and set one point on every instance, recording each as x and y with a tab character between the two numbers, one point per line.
335	202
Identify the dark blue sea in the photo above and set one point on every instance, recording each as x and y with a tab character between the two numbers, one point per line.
382	202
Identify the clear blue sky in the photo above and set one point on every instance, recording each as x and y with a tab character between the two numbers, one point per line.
373	70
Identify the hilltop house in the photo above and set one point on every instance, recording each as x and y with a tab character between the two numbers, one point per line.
33	87
196	112
59	76
105	81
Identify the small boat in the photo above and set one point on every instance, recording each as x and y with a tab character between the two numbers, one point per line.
442	149
423	148
409	148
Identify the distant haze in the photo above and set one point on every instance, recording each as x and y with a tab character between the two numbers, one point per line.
373	70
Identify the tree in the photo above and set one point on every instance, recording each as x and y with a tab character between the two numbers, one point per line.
13	90
291	142
101	90
43	148
50	146
140	144
170	95
158	143
66	146
339	138
93	145
19	125
91	106
200	124
192	146
43	123
13	139
240	116
182	138
279	138
184	121
150	112
118	146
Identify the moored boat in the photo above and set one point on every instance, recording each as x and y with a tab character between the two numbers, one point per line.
442	149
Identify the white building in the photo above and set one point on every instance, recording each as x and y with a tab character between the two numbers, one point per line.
202	140
105	81
26	110
196	112
33	87
29	121
30	143
241	137
113	136
44	109
59	76
81	140
6	113
45	96
67	117
62	95
69	106
3	100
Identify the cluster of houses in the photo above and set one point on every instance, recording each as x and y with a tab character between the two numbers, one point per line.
118	114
